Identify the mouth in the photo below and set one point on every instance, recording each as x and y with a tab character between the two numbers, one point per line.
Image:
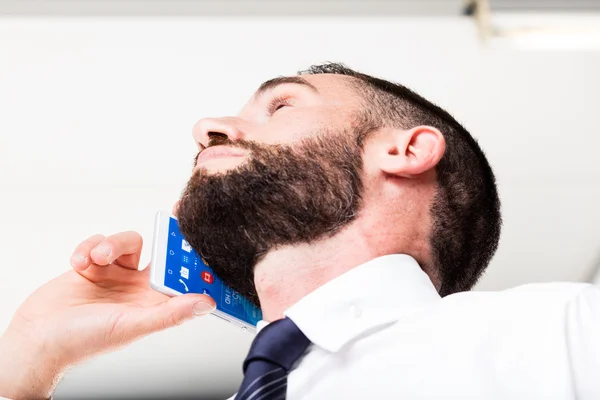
216	152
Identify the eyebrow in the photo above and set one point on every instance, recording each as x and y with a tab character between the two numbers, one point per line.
271	84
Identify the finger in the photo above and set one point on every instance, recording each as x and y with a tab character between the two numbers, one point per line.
175	311
123	248
80	259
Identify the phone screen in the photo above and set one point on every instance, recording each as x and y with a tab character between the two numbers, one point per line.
186	272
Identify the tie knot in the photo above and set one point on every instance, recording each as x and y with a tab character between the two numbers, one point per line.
280	342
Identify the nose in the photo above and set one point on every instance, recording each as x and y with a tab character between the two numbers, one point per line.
207	128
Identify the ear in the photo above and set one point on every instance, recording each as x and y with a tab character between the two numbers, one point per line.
412	152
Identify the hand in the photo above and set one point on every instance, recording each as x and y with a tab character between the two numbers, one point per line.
103	304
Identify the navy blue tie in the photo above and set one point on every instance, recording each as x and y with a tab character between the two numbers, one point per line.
273	353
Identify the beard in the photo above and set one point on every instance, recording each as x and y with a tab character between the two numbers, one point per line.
281	195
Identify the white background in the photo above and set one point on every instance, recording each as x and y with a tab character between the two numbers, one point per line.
95	136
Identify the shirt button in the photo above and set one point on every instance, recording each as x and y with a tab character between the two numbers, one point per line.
355	311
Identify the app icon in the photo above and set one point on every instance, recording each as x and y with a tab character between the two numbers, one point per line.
172	233
186	259
186	246
185	273
184	285
170	271
171	253
207	277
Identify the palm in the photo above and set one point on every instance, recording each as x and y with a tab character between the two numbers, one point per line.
95	308
104	303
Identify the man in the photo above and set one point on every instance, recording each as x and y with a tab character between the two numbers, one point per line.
357	214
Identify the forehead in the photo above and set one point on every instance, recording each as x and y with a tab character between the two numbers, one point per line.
330	88
331	84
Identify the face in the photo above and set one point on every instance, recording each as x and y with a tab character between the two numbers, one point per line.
286	171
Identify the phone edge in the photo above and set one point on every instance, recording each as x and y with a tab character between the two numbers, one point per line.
163	218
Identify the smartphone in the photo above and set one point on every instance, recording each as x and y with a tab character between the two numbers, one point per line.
177	269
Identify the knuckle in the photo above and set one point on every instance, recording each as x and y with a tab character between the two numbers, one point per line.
88	244
127	239
95	238
135	237
92	241
175	321
109	242
134	234
167	322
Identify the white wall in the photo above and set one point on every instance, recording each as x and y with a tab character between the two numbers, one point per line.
95	119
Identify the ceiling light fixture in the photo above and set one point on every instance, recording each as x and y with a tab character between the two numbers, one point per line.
536	29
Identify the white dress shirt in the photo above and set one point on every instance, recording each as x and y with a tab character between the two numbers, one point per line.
381	331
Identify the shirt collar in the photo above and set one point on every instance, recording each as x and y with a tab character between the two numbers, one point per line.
376	293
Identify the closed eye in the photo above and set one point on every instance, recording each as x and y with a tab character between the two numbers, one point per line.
277	103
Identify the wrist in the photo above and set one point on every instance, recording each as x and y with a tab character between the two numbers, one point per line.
26	370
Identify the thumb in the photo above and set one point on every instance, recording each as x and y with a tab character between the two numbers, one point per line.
175	311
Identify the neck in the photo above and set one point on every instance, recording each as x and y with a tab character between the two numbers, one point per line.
289	273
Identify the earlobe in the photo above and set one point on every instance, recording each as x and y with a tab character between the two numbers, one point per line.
414	151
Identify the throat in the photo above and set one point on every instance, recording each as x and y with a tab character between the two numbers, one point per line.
286	275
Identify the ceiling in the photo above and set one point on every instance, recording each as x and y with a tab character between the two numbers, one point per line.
545	5
281	7
95	137
233	7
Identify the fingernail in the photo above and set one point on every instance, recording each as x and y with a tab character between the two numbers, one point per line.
78	259
202	308
104	250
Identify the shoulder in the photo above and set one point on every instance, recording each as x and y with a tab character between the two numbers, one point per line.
532	292
536	298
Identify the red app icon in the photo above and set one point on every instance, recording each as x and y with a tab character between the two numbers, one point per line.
207	277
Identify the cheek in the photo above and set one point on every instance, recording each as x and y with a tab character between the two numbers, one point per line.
290	128
295	124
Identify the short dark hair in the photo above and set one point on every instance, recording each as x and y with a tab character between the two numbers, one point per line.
465	212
